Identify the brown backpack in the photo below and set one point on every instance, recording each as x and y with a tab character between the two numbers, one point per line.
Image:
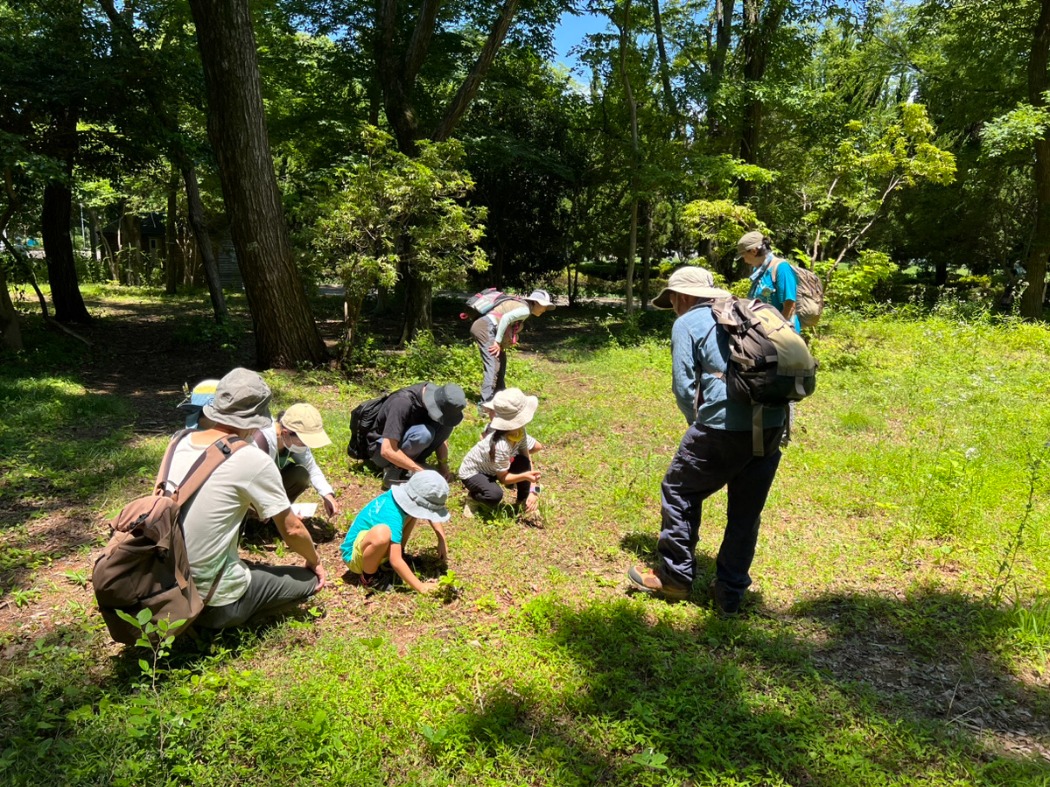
145	565
809	294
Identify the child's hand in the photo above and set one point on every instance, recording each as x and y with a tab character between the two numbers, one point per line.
532	502
429	587
532	475
442	552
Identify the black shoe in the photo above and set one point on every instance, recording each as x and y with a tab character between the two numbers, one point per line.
725	601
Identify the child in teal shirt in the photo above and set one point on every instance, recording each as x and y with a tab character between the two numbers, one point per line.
381	531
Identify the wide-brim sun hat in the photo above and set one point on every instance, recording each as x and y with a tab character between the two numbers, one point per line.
542	297
242	400
305	420
512	409
445	403
423	496
690	280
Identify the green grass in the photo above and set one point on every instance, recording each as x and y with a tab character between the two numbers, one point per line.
898	632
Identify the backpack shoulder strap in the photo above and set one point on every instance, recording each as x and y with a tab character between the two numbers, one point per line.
215	454
165	463
260	441
774	267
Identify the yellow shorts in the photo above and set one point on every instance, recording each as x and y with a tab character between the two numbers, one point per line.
358	554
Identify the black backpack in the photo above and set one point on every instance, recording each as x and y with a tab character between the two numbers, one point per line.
362	420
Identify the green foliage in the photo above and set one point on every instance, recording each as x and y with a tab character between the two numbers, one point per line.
1016	131
389	210
719	221
425	359
857	283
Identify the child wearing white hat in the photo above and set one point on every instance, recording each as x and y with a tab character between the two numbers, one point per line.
503	455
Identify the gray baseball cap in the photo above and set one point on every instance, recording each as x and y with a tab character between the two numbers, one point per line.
423	496
242	400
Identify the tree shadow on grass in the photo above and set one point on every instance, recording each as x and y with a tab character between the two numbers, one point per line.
942	656
745	700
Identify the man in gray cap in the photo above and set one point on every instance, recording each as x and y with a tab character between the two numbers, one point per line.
412	424
212	518
715	452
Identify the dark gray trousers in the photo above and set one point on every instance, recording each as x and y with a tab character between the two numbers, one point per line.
271	588
707	460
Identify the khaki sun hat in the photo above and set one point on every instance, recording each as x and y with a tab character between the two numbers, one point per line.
242	400
305	421
690	280
512	408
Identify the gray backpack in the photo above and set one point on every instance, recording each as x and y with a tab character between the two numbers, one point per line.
769	363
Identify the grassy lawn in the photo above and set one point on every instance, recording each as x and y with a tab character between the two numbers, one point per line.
897	634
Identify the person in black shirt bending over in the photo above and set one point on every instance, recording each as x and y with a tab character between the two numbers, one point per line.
414	423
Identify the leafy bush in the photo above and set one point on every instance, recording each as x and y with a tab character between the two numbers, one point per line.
860	281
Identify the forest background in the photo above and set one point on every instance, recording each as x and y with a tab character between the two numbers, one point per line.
362	166
398	147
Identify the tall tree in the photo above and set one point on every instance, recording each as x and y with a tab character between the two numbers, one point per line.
285	332
1038	84
401	50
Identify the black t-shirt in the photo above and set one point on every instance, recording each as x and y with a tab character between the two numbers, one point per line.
401	410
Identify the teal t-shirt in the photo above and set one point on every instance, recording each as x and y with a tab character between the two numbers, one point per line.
382	510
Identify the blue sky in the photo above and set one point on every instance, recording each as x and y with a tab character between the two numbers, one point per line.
570	32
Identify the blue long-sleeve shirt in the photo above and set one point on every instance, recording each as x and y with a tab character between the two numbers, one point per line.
699	355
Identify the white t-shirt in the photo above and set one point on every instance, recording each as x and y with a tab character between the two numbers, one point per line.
477	459
212	520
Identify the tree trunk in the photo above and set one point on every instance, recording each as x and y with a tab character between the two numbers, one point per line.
1038	83
171	247
396	70
665	71
285	332
195	210
723	37
58	248
647	254
632	104
418	316
759	30
10	333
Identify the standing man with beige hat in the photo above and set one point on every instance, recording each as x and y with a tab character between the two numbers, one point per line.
715	452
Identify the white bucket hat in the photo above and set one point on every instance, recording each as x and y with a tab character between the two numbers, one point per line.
542	297
690	280
512	408
423	496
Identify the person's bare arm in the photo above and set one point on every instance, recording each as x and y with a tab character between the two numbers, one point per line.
397	562
390	450
298	539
